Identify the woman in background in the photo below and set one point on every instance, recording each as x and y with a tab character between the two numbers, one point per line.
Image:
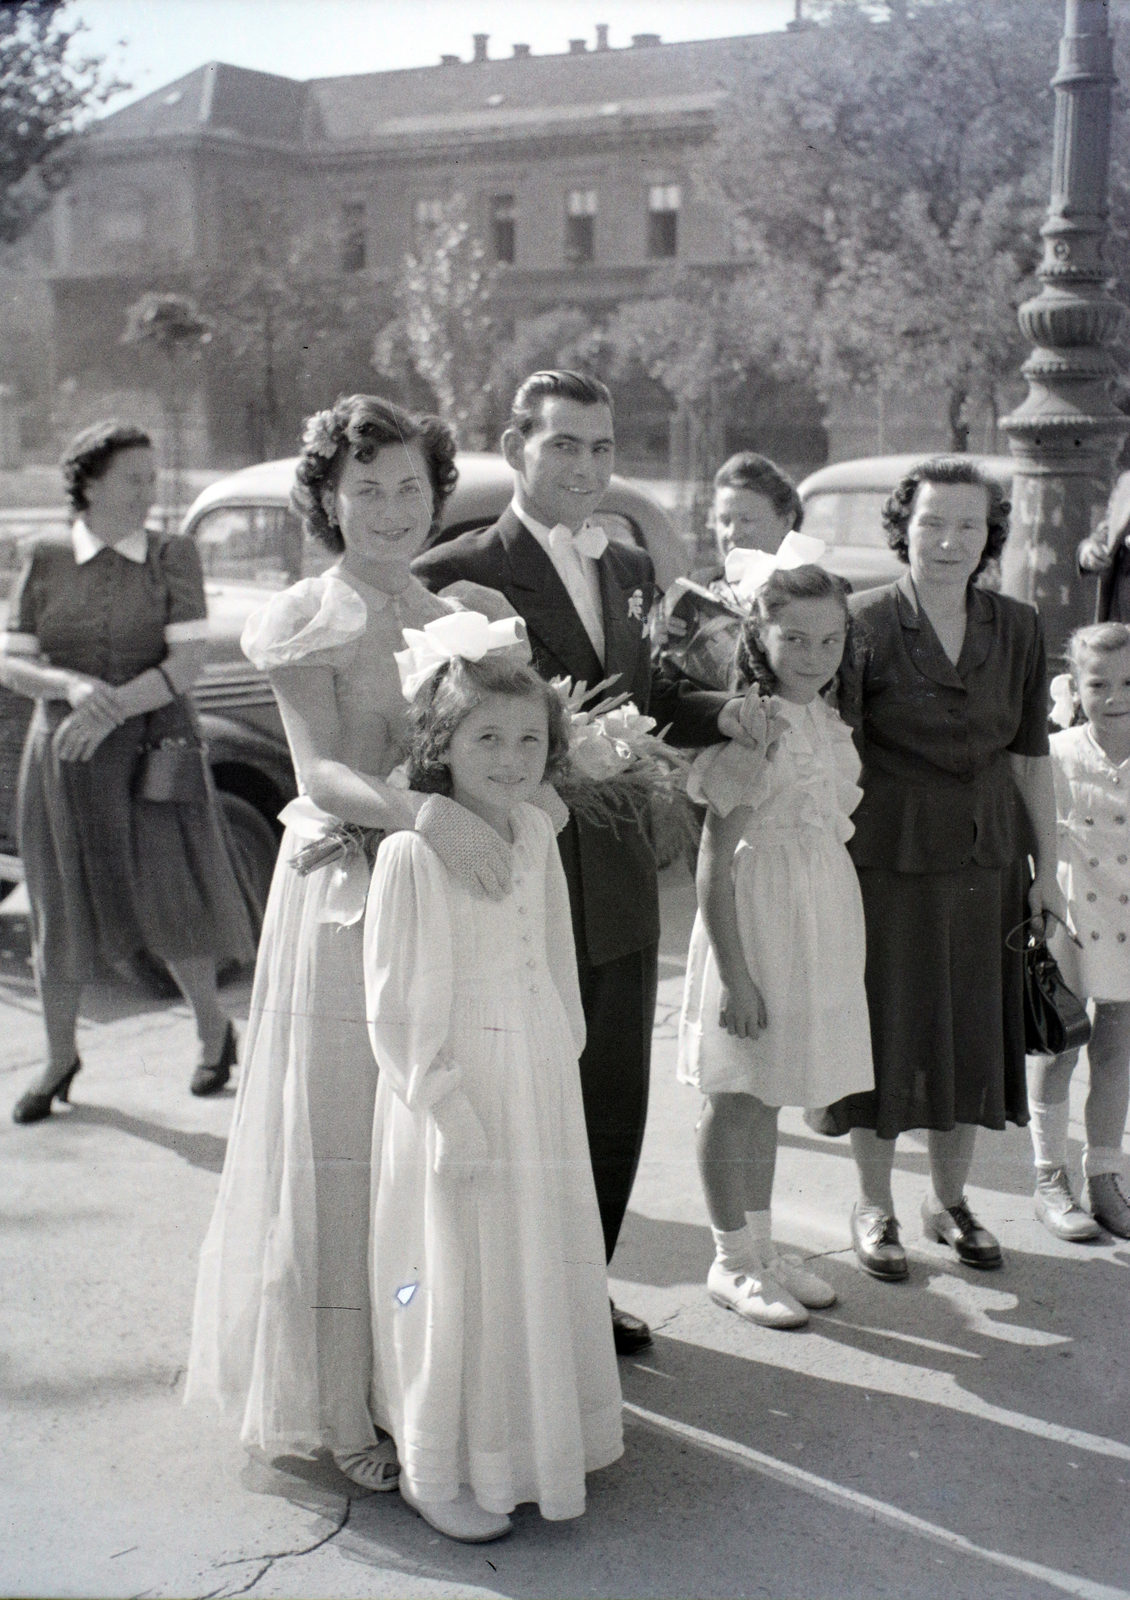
106	634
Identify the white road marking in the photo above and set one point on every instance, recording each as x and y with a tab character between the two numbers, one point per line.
875	1510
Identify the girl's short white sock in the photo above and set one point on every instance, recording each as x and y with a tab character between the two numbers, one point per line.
1049	1132
732	1249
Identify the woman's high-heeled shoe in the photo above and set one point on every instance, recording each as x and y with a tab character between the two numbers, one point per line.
211	1079
36	1103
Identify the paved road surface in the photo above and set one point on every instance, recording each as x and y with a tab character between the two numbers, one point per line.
964	1435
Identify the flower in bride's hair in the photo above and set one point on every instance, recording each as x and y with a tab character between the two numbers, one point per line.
320	435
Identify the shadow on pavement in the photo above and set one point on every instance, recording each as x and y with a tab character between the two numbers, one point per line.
683	1514
204	1150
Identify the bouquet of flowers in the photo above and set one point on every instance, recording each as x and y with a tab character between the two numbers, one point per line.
618	769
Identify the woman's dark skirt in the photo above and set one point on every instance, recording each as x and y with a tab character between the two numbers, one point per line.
109	876
946	1001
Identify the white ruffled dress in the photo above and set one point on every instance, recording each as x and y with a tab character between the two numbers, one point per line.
800	916
282	1328
490	1293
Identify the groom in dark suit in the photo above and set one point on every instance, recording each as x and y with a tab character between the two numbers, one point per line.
585	601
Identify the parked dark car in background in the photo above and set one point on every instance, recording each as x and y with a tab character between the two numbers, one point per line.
251	544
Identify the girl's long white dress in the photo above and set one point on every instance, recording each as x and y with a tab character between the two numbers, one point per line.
800	917
282	1327
490	1293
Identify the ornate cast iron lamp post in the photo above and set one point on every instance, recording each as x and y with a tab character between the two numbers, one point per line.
1066	432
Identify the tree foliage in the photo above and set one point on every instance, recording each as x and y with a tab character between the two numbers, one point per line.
47	92
885	174
445	332
277	315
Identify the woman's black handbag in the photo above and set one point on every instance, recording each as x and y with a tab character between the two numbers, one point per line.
1055	1019
174	767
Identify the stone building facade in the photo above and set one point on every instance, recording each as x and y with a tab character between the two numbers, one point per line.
578	169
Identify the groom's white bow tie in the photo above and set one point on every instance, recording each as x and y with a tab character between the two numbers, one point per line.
589	540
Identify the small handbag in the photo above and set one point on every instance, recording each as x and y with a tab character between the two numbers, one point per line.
1055	1019
173	768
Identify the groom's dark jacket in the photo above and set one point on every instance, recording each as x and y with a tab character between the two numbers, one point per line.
611	873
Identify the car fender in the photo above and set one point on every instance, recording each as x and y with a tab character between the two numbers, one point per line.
233	744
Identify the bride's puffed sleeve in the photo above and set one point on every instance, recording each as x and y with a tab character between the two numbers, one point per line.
317	622
408	970
560	951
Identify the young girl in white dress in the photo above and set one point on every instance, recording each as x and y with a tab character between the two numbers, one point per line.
282	1327
1091	766
490	1292
774	1012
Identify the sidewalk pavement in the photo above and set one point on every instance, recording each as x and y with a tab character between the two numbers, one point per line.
963	1435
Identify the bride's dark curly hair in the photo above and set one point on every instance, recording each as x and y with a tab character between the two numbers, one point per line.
359	425
751	666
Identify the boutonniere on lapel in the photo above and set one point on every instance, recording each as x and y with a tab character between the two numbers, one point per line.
635	609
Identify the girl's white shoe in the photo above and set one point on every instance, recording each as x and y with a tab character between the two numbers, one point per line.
462	1518
805	1286
754	1295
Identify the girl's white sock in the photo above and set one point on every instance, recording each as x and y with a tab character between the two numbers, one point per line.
732	1249
759	1225
1049	1132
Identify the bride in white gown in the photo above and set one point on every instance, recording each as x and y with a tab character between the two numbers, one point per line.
282	1325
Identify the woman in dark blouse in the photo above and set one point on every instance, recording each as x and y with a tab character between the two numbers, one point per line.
106	634
945	685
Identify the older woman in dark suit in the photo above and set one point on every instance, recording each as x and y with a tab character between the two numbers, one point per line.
945	685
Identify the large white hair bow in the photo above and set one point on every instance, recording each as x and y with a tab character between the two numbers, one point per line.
463	633
747	570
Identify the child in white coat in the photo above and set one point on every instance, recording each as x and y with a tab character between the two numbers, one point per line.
1091	765
490	1294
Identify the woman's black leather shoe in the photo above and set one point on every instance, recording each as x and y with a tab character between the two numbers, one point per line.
210	1080
957	1226
875	1240
35	1105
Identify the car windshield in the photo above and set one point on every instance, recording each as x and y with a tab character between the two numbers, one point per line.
263	545
846	516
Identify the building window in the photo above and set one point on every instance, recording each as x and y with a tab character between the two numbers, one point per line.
428	213
663	201
353	236
580	225
502	221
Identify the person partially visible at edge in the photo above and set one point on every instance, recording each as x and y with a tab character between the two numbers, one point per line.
586	602
753	507
281	1329
1091	764
1106	555
946	686
106	634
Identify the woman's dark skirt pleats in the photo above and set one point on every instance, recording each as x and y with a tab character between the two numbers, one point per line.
946	1002
109	875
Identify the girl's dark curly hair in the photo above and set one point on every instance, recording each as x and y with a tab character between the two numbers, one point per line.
945	469
751	665
89	454
450	696
359	425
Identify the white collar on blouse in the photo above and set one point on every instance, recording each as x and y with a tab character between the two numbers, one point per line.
135	546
